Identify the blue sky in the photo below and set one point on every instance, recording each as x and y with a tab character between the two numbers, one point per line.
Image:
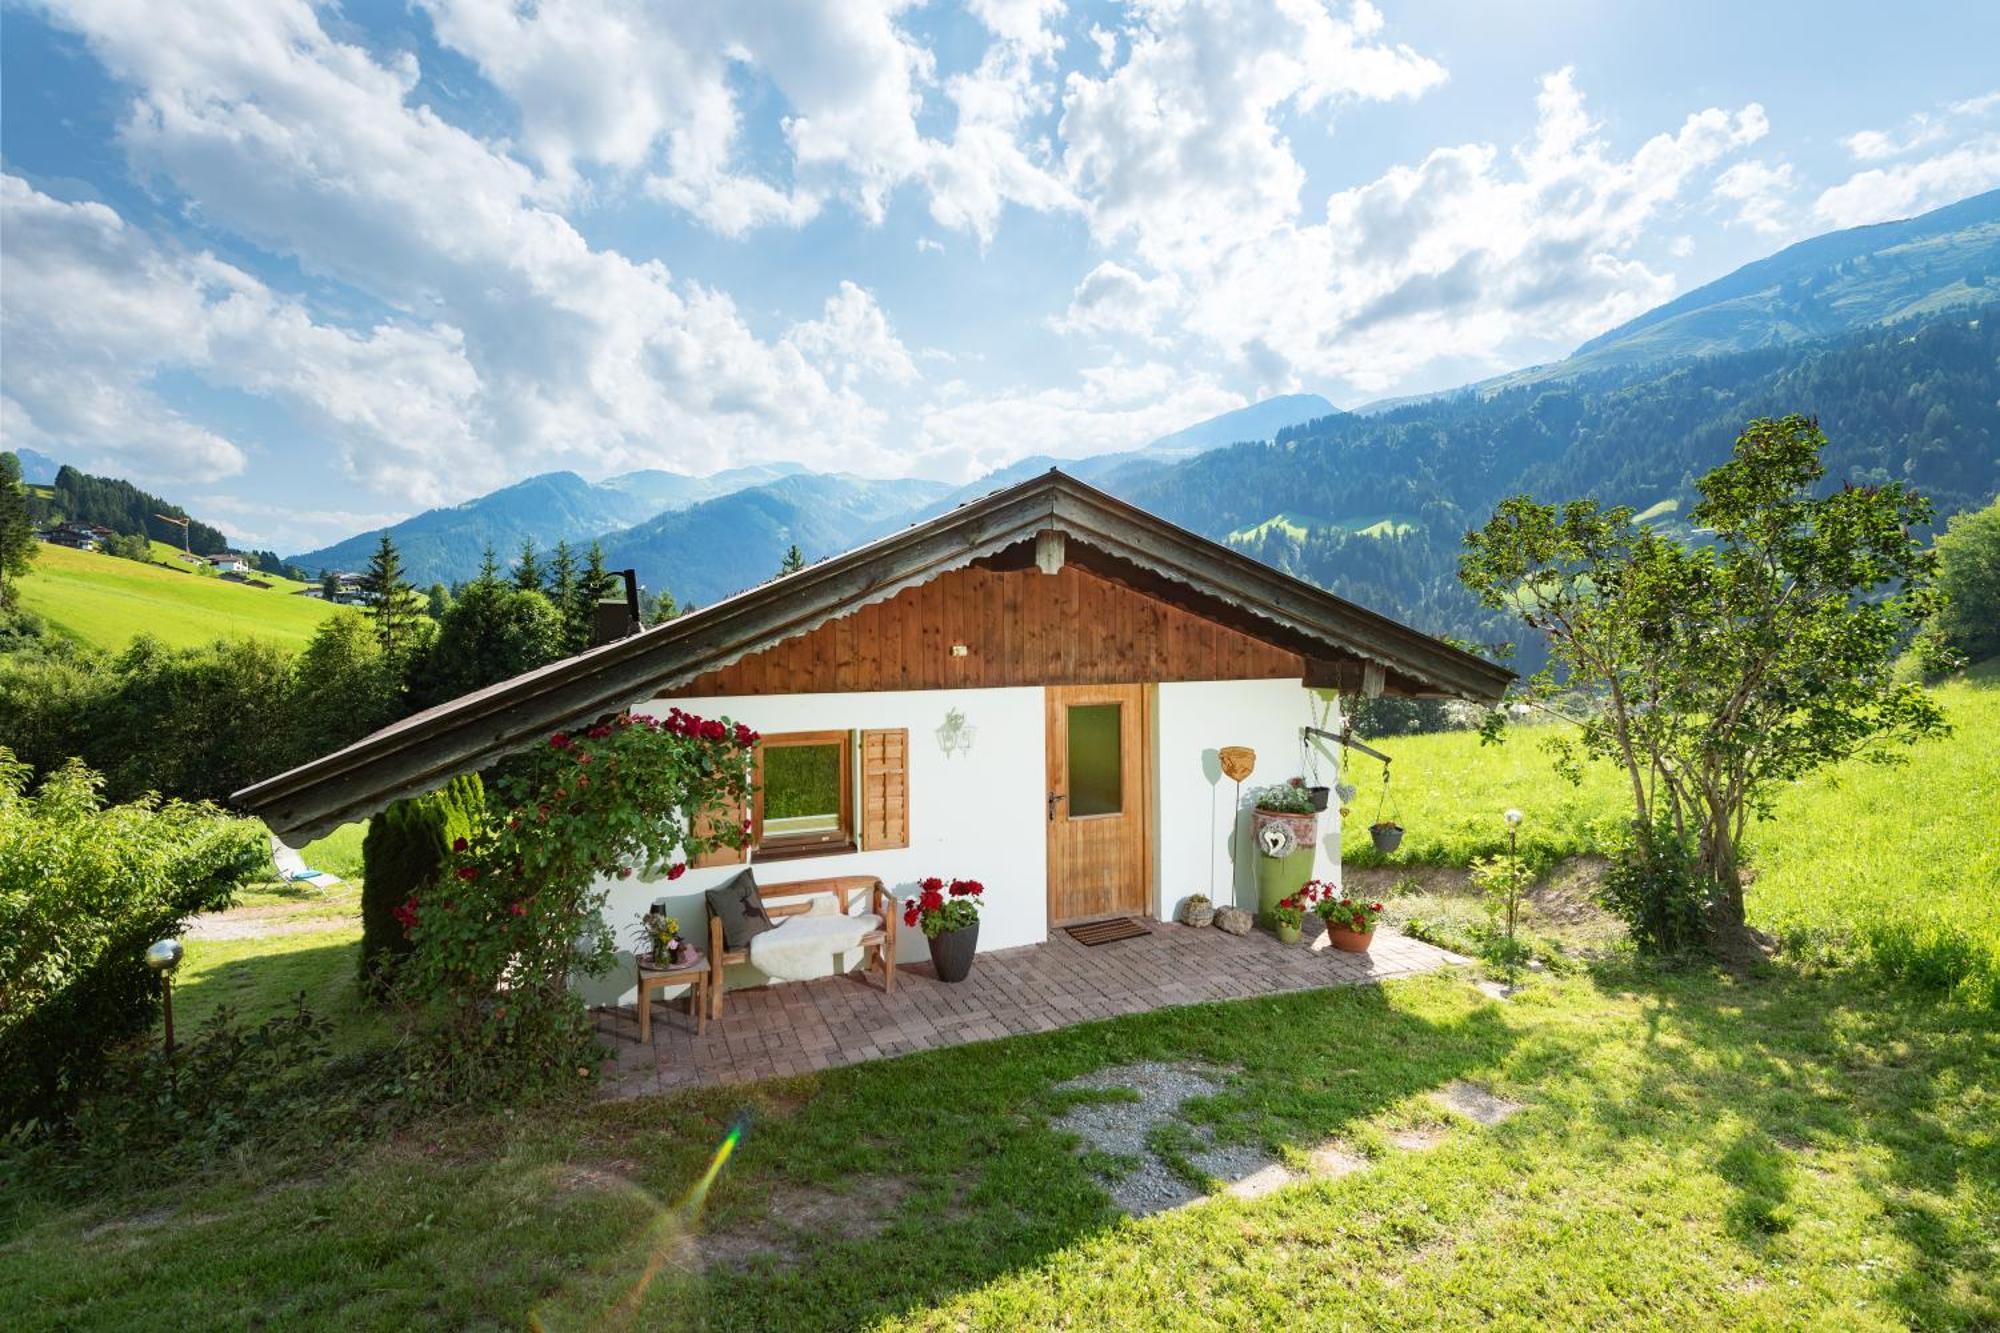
308	269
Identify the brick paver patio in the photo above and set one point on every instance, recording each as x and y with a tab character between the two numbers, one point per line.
799	1027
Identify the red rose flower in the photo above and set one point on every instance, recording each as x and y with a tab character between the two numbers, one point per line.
406	914
518	908
458	844
677	869
910	917
468	873
559	741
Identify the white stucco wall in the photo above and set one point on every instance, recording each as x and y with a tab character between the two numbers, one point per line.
1201	825
977	815
981	814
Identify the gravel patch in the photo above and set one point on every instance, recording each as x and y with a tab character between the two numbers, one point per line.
1123	1128
1472	1100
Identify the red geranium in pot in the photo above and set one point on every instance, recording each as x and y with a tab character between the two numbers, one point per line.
949	917
1350	922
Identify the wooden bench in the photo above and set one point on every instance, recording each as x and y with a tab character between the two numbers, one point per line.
878	944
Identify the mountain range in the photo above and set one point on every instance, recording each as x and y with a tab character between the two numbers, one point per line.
1886	332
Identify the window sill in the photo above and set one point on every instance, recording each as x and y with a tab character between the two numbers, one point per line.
801	850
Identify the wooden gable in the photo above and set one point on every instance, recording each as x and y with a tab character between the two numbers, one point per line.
1018	627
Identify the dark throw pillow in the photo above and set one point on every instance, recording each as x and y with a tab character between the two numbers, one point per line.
740	908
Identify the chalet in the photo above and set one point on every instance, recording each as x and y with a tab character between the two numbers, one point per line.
230	562
1030	690
77	536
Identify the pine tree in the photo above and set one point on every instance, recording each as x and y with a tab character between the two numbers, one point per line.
17	534
560	586
794	561
580	611
528	573
392	603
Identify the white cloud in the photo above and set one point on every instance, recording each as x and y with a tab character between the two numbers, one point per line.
1113	406
1468	255
1893	189
1908	188
94	311
1113	299
852	338
310	147
645	85
1179	147
1761	193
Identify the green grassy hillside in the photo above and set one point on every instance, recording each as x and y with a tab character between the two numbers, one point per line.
1897	863
105	600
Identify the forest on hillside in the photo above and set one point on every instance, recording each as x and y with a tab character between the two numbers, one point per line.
1914	402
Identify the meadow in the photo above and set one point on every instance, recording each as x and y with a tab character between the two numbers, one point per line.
1890	864
105	600
1803	1144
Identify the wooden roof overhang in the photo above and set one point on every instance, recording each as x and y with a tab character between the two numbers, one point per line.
1346	646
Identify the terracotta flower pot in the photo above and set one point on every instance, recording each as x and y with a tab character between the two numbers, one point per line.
1349	941
951	952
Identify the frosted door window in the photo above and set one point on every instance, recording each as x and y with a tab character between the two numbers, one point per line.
1096	761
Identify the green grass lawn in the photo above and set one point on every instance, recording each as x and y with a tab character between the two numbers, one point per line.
1803	1147
105	600
1900	862
1787	1151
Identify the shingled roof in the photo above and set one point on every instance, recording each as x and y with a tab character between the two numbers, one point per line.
1346	645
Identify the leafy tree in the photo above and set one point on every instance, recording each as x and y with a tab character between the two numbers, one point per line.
129	546
794	561
343	687
329	584
528	569
17	531
1728	669
84	888
437	601
392	603
658	607
1967	625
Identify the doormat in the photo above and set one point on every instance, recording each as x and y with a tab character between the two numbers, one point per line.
1104	932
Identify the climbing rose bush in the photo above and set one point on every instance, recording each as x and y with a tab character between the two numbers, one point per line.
939	907
519	905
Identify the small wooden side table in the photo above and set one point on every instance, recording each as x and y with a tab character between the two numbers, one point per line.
652	978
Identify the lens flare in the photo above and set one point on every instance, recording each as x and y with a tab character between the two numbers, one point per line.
669	1237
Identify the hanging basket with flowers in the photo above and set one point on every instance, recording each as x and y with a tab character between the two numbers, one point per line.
948	914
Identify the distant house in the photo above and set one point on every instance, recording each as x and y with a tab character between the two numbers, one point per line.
77	536
347	590
230	562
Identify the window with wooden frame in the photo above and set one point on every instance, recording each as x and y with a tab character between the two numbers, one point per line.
804	804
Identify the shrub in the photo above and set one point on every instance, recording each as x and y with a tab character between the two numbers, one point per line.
1290	797
519	910
1654	886
84	888
404	851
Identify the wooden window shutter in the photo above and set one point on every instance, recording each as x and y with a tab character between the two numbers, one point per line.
723	855
885	788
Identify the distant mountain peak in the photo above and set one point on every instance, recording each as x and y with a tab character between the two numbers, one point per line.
1260	421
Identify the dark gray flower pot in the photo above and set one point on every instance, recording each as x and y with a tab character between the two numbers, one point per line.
1319	796
1387	837
951	952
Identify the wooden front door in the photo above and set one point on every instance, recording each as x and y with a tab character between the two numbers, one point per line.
1099	801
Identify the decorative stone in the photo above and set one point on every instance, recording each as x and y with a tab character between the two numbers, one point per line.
1234	921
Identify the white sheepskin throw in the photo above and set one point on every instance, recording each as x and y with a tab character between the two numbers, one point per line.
802	947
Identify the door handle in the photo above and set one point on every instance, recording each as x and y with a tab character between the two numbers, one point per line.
1054	798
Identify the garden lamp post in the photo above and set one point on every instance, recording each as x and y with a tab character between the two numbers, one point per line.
163	956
